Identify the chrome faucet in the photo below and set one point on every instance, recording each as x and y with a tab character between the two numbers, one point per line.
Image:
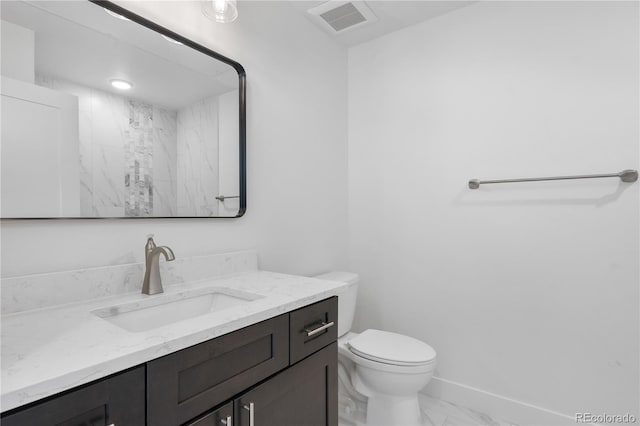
152	283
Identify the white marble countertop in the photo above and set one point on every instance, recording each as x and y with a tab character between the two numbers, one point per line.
49	350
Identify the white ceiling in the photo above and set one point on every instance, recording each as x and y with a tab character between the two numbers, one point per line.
392	15
79	42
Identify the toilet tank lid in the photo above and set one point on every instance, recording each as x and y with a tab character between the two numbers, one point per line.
340	276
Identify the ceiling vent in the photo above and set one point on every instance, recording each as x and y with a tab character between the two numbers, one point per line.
339	16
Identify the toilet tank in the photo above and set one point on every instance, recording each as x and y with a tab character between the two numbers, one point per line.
346	298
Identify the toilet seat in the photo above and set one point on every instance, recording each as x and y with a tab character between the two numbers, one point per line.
391	348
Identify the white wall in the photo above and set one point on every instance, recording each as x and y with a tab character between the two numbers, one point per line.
17	52
297	171
529	291
40	171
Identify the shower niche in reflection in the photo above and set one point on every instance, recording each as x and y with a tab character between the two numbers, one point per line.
103	117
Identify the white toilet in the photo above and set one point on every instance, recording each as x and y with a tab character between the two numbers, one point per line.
388	368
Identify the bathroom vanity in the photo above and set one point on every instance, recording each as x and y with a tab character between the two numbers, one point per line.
216	380
270	360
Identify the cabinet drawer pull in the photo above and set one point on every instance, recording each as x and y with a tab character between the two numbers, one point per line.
251	409
323	326
227	422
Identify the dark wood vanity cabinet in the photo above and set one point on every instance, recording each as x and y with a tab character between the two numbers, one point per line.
117	400
280	372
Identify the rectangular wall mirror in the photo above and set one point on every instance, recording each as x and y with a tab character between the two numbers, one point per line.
108	115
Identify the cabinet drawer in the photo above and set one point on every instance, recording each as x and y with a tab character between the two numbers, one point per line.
115	400
220	417
312	328
185	384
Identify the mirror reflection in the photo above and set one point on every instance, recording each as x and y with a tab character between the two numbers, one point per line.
103	117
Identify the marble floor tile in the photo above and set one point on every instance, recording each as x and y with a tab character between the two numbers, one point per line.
442	413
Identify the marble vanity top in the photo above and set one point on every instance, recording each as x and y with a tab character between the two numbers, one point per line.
52	349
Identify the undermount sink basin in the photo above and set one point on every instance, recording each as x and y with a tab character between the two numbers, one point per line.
163	309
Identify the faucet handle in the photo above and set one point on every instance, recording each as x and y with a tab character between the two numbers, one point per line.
148	248
150	243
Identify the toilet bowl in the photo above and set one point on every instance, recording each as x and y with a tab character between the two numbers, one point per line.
387	370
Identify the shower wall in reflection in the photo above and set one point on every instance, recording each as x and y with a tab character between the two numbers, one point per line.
139	159
197	166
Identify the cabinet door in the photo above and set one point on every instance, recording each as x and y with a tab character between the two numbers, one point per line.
118	400
187	383
305	394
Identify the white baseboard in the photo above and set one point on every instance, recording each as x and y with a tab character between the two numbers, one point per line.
496	406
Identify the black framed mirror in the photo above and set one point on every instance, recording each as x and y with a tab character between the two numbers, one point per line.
106	114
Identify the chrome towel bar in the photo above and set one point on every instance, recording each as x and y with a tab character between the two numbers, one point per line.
625	176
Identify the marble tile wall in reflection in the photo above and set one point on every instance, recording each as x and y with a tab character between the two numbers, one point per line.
197	165
127	153
165	160
137	159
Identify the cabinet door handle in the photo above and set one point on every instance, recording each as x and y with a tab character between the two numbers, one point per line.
251	409
227	422
323	326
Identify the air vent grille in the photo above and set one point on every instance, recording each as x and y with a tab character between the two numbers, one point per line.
343	17
337	16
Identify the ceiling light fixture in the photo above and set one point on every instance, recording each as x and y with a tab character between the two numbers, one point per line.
116	15
121	84
221	10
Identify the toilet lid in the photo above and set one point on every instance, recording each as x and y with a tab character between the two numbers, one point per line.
391	348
